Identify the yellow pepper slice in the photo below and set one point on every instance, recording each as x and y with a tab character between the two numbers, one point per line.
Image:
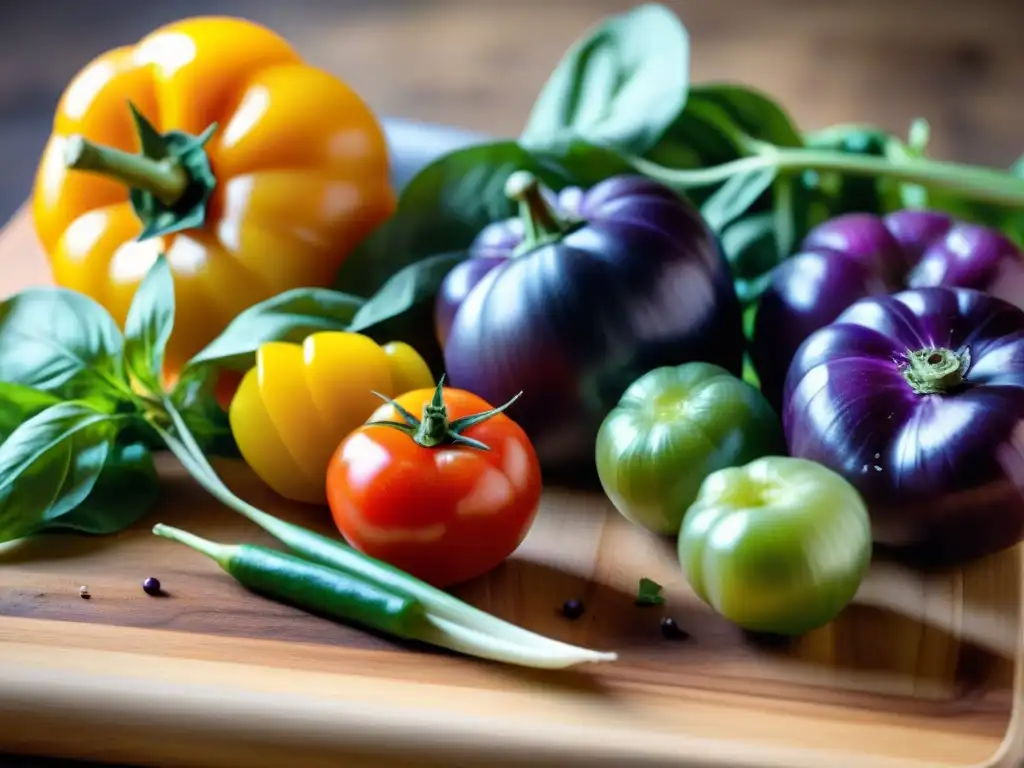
299	401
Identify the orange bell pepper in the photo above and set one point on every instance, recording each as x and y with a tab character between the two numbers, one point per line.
253	172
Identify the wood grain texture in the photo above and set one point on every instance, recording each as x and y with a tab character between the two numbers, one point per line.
922	670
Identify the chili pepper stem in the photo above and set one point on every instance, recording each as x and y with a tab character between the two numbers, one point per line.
166	180
219	553
541	225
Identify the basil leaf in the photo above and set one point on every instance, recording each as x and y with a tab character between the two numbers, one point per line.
649	593
195	399
418	283
695	140
448	202
149	324
735	197
722	123
580	164
126	489
404	308
750	112
621	85
60	341
49	465
19	403
441	210
289	316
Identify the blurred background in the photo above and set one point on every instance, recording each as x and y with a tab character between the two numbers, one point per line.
480	63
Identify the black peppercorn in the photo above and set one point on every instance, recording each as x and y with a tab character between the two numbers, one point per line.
151	586
572	609
671	630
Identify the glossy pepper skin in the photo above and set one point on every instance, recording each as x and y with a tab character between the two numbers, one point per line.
299	401
917	399
293	175
857	255
571	303
779	545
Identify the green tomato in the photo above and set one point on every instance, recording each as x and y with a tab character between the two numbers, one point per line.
672	428
779	545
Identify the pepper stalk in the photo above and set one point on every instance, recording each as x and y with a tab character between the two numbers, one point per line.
170	180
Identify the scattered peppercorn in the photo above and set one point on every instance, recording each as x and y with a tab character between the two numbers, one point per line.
671	630
83	592
151	586
572	609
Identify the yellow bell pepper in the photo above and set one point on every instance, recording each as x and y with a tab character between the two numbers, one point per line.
213	142
299	401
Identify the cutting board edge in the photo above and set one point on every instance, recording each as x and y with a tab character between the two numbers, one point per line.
77	689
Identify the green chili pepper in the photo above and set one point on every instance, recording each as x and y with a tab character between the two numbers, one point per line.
309	586
446	621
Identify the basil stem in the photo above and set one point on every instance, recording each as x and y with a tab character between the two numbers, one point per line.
986	185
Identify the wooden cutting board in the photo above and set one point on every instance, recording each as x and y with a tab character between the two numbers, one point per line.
919	671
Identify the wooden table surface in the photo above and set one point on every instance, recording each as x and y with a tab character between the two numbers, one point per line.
479	63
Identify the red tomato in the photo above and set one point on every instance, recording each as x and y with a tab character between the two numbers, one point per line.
445	513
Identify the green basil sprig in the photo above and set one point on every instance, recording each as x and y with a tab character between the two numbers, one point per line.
77	397
838	172
738	155
621	86
63	406
148	327
65	465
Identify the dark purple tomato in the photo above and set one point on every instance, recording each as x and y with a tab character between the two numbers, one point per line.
858	255
580	296
917	399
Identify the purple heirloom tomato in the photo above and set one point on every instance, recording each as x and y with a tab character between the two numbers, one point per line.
917	399
858	255
574	301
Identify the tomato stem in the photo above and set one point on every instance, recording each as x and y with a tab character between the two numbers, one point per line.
936	370
434	428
